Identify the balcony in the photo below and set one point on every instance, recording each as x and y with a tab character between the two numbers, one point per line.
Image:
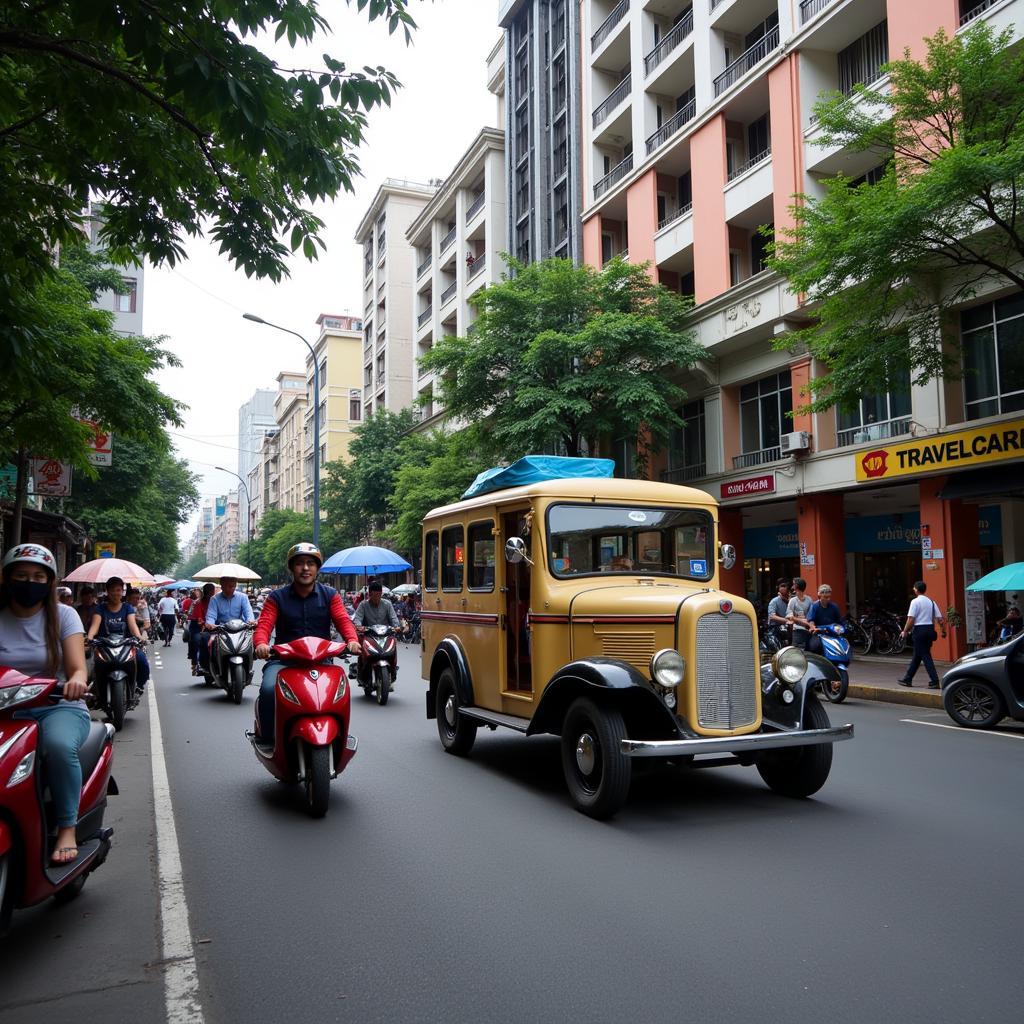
449	293
809	8
684	473
615	97
423	268
608	25
742	168
669	43
446	241
673	217
975	10
749	459
873	432
478	264
476	206
424	316
747	60
671	126
615	175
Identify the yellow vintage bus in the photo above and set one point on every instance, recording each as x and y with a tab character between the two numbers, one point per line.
589	608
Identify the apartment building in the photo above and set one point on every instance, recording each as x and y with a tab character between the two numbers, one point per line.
222	545
699	129
290	415
255	421
542	126
388	277
339	355
457	239
127	308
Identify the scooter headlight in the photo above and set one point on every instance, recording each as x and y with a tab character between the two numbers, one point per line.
668	668
16	694
286	691
789	665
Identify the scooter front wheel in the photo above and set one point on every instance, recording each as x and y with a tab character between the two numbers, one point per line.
6	891
117	704
236	683
383	684
318	780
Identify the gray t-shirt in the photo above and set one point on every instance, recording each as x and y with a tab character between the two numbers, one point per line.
23	641
799	607
382	615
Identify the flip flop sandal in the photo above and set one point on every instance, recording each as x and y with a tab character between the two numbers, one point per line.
62	850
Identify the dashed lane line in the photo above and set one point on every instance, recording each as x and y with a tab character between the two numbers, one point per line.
960	729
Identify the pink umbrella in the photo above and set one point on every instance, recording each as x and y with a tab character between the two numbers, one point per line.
99	570
162	581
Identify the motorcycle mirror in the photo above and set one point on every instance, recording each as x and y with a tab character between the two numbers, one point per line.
727	556
515	551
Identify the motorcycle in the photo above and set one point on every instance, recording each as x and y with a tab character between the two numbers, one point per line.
312	712
114	671
377	667
27	876
835	648
230	658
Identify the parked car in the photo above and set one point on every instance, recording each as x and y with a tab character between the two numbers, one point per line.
986	686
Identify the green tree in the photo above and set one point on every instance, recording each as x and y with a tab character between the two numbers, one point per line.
184	570
356	491
172	115
562	356
278	530
942	222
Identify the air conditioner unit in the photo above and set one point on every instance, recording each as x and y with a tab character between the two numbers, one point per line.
798	441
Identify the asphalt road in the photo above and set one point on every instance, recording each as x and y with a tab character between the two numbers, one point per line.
441	888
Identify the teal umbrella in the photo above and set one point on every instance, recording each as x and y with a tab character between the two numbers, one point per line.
1009	577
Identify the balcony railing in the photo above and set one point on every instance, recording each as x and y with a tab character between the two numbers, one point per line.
673	217
684	473
671	126
424	316
422	268
669	42
716	3
874	432
475	207
608	25
976	11
447	240
421	372
616	174
615	97
746	60
477	265
752	162
449	292
809	8
757	458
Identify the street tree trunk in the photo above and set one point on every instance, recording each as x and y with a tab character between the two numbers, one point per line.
20	492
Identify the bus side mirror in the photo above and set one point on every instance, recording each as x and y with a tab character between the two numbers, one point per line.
515	551
727	556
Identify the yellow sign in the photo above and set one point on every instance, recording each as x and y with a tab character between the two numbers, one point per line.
104	549
940	453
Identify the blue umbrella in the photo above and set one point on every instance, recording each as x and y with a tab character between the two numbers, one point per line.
1009	577
364	559
180	585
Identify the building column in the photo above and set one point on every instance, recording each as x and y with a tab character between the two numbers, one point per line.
710	230
642	220
952	528
787	140
909	25
592	241
730	531
800	377
822	538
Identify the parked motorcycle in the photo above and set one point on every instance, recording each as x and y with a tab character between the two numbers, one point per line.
231	654
835	648
27	830
377	667
312	711
114	671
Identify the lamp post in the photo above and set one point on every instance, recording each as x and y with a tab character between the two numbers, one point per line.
316	419
248	508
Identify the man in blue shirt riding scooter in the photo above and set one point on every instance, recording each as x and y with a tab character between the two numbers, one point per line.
229	604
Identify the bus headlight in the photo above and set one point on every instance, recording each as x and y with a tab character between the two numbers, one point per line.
789	665
668	668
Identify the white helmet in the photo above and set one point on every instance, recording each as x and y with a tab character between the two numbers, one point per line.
35	553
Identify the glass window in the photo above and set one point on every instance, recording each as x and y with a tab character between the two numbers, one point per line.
861	62
765	406
355	409
453	557
481	556
589	539
686	458
430	561
993	354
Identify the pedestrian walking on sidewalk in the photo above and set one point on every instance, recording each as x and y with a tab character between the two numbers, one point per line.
923	619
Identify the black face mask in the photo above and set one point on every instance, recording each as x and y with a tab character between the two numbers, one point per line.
28	593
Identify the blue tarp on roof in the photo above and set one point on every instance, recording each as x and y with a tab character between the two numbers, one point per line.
536	468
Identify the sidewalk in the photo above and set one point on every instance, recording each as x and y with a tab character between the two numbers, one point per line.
873	677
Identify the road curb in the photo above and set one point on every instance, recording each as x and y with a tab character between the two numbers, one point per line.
917	698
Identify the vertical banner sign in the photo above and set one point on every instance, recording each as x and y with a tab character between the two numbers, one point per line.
101	445
51	477
974	603
104	549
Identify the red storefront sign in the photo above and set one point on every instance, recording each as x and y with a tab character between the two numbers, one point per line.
763	484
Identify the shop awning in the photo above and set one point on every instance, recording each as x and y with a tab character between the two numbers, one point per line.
980	484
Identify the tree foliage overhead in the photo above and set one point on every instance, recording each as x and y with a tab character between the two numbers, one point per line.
561	356
943	221
173	116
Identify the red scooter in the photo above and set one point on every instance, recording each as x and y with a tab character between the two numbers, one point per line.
27	876
377	667
312	707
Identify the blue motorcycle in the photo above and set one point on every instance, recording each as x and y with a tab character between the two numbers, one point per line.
836	649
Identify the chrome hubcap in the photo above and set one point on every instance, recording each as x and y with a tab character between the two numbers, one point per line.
585	753
449	712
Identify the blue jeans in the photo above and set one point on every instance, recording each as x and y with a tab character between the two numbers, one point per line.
142	671
62	730
265	700
194	629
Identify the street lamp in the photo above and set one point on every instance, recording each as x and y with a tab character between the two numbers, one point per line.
248	509
316	419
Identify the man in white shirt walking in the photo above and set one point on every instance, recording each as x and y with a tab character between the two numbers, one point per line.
167	609
923	618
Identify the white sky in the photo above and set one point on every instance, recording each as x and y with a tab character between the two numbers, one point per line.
198	305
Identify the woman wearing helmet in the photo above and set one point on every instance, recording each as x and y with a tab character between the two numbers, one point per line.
40	637
302	608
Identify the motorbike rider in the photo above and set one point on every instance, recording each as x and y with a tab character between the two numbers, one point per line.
777	606
87	606
113	617
142	618
300	609
375	611
38	636
196	619
824	612
229	604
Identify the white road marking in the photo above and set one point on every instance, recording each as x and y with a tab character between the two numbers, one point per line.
181	979
958	728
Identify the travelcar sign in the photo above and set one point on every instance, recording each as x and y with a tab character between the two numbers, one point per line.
763	484
938	453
